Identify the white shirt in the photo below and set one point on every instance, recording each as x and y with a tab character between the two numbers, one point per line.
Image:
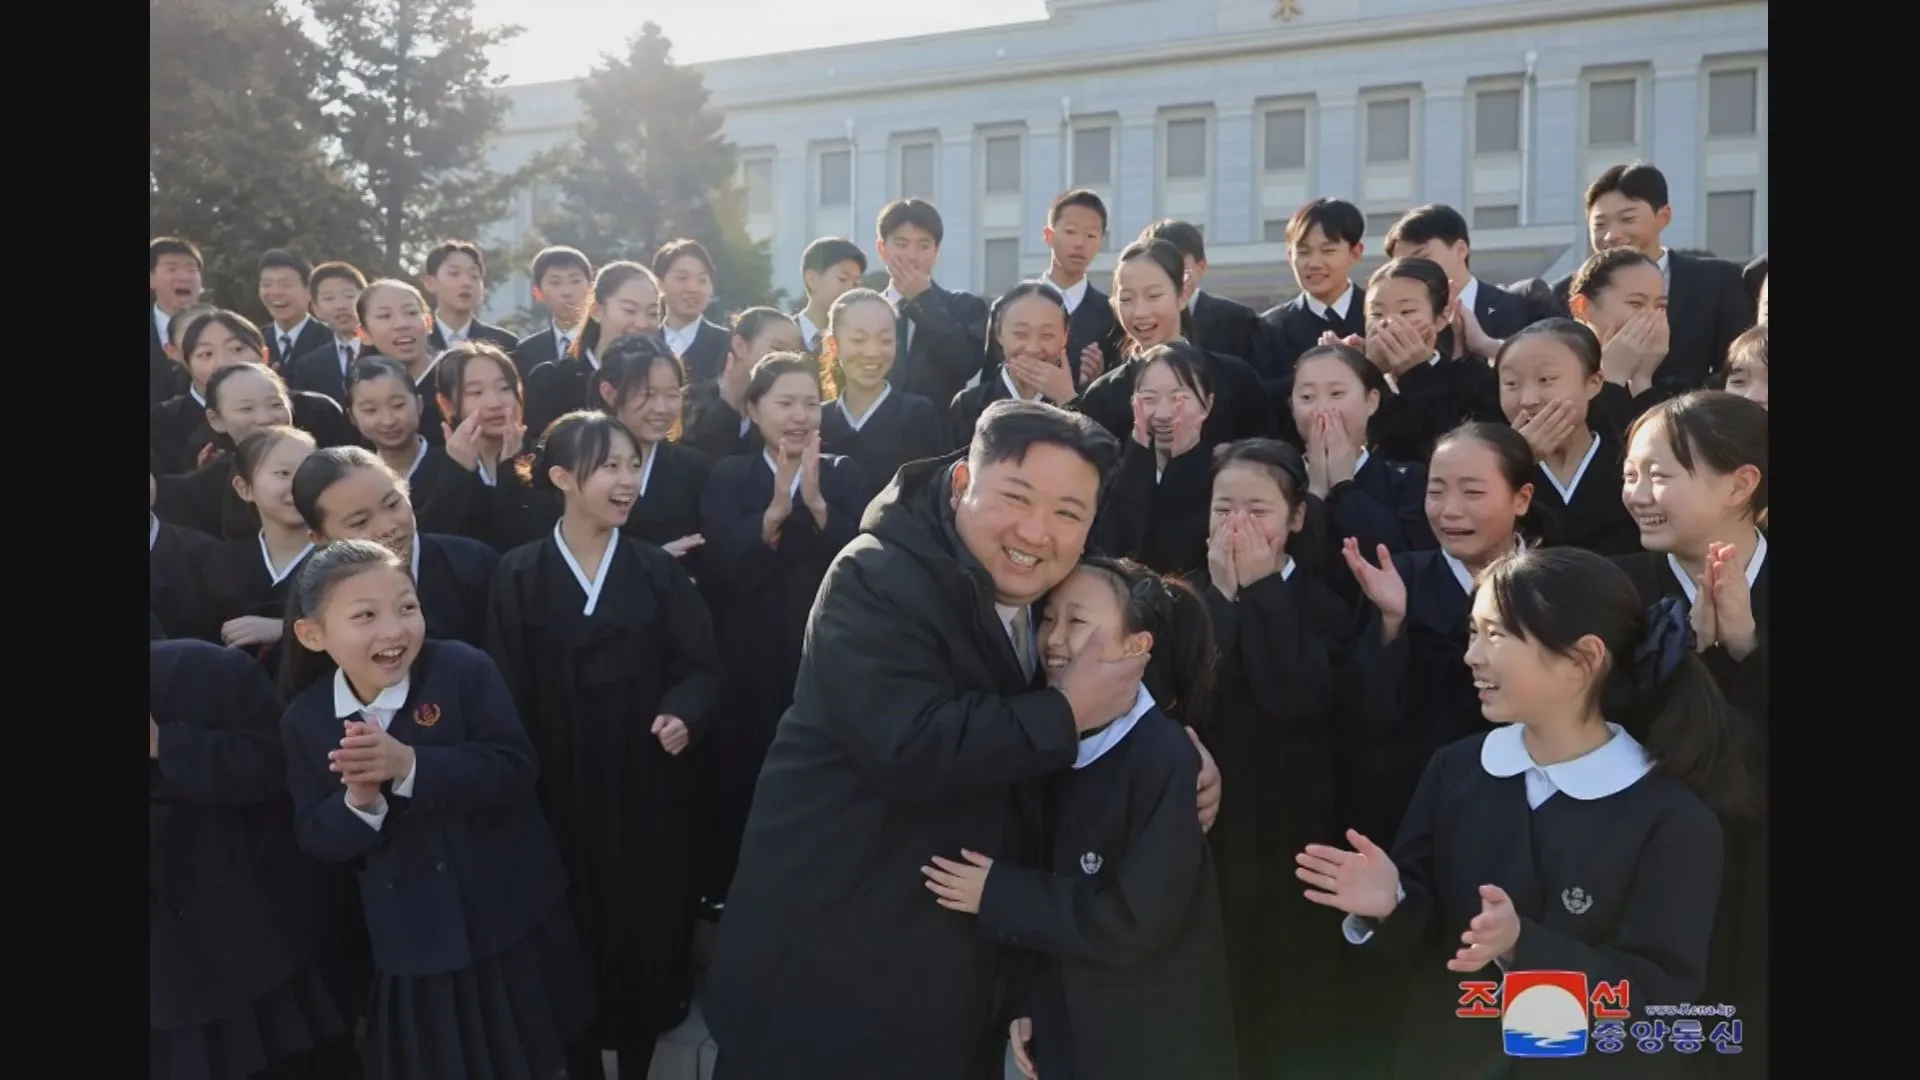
1098	743
153	530
1339	307
590	585
279	574
349	350
380	711
1666	268
1469	294
1692	589
451	334
419	455
682	339
161	320
893	297
1567	489
1071	294
1607	769
1462	575
291	337
809	333
561	340
792	488
857	422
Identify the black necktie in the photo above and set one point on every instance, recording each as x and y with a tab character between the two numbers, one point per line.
286	347
346	357
903	335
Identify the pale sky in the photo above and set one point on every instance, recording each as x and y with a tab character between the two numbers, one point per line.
564	38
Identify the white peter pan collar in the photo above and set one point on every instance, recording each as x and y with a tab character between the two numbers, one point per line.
1093	746
1608	769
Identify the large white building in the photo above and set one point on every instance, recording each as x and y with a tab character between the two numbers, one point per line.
1230	114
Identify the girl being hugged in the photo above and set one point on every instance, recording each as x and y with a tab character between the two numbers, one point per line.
1282	634
717	411
867	420
244	581
772	522
1027	331
1155	510
608	652
410	762
1129	884
1557	841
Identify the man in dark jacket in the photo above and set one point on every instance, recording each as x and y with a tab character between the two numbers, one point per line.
915	728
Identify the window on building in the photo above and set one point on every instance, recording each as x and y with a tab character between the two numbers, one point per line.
1496	217
1285	140
1496	122
757	177
1000	263
1187	148
1389	131
916	171
1733	103
1273	231
1613	112
836	178
1730	224
1092	156
1378	224
1003	165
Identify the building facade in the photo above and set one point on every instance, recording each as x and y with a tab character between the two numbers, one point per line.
1230	114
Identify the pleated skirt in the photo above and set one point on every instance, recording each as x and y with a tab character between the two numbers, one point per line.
301	1015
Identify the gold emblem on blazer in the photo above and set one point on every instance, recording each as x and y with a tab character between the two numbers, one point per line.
427	715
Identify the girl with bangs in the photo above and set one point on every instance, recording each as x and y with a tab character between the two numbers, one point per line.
866	419
717	411
244	580
1155	508
626	300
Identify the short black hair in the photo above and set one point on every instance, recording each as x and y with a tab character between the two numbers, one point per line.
831	251
1181	234
916	212
161	246
1082	198
341	270
282	259
559	257
1434	221
449	248
1010	427
1337	219
1639	181
674	250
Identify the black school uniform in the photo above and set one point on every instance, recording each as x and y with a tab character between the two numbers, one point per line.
761	596
963	412
1154	516
1090	322
1240	407
1433	399
454	576
164	377
204	501
714	428
1384	503
238	981
942	337
1131	980
444	495
1613	868
324	370
1224	326
535	349
478	969
590	664
1588	512
178	431
557	388
479	332
1737	973
706	357
306	337
1289	329
1282	644
174	555
898	428
235	581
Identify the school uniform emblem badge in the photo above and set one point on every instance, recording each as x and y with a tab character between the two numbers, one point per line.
1576	900
427	715
1090	863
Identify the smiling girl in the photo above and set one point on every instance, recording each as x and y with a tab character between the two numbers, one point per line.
385	408
245	580
1621	296
1558	841
867	420
1027	337
717	423
772	522
1155	509
1409	303
626	300
394	323
410	762
1132	973
608	651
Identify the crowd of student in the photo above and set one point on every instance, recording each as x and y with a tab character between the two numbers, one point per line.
469	648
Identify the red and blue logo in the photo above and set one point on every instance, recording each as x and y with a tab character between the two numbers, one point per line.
1543	1014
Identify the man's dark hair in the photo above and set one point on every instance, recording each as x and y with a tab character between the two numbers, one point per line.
1338	219
171	245
559	257
674	250
343	271
1081	197
1434	221
1009	428
449	248
919	213
282	259
1181	234
1639	181
831	251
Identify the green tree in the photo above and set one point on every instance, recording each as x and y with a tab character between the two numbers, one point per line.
236	154
651	165
414	106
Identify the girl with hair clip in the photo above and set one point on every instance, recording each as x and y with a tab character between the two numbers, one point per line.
608	651
1027	332
346	493
1613	867
1155	510
1150	292
773	521
410	762
1621	296
1130	976
385	408
1409	303
626	300
1549	375
1696	485
1335	395
240	984
717	422
395	323
243	581
866	420
1282	635
1746	370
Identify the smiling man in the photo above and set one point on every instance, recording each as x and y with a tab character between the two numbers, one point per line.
917	726
283	292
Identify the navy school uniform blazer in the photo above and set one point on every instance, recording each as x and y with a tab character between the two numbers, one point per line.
464	868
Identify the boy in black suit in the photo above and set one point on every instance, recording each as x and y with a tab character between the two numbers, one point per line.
940	338
456	278
561	278
1484	315
173	280
283	284
1076	227
686	276
1219	325
829	267
336	288
1323	246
